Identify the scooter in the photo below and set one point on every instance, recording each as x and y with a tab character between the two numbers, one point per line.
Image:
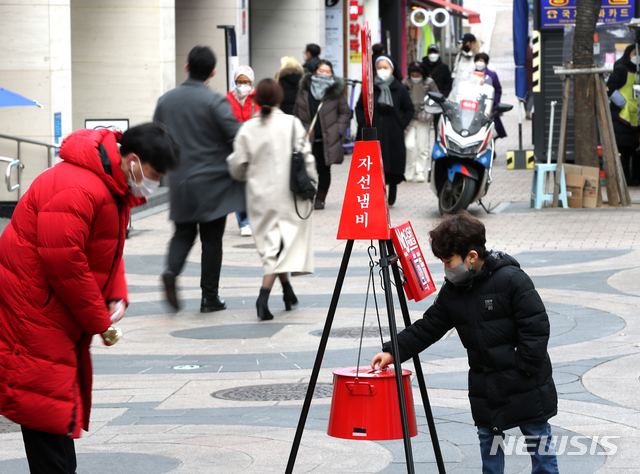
462	156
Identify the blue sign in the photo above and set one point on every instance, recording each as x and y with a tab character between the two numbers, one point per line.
57	125
559	13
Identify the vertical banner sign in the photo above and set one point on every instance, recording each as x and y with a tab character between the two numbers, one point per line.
365	213
333	36
419	283
367	73
57	129
355	11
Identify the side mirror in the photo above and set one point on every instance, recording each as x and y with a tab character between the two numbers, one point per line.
436	97
502	108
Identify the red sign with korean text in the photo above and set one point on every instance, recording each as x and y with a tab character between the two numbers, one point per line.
367	73
419	283
469	105
365	213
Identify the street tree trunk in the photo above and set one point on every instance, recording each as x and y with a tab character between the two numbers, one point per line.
584	110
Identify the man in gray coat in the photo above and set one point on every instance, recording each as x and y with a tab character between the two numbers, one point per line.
201	189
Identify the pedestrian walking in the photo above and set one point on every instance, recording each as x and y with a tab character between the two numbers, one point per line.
417	135
441	74
322	107
262	158
464	63
624	113
481	62
63	281
392	112
289	77
244	107
312	57
202	192
503	324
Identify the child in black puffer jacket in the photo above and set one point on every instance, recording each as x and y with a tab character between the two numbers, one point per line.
503	324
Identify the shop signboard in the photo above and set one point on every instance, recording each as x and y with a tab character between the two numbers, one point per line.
560	13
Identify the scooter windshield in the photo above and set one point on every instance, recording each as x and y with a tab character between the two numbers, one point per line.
471	108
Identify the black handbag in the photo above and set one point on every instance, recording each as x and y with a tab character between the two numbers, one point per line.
300	184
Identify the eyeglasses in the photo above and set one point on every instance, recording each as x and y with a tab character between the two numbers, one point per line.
243	83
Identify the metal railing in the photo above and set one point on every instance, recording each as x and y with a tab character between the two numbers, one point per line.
17	162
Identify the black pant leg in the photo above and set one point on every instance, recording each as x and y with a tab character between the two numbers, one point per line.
324	170
211	237
49	453
181	243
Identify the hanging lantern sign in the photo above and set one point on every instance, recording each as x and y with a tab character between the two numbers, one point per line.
430	17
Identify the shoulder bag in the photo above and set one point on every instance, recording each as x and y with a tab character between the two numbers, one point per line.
299	183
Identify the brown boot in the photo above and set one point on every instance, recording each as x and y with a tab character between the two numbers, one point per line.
320	197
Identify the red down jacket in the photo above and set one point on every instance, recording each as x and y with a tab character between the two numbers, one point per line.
60	261
246	112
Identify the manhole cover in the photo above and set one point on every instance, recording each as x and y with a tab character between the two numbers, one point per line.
7	426
274	392
245	246
354	333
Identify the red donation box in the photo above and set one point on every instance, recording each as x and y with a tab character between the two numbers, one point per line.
419	283
365	213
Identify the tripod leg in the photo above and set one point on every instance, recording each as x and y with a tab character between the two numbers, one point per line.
418	367
384	264
316	366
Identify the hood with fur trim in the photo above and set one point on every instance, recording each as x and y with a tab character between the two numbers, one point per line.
477	48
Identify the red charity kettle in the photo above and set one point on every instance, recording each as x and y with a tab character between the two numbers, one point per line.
367	407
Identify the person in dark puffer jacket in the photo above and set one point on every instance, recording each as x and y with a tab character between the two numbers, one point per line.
289	77
63	281
503	324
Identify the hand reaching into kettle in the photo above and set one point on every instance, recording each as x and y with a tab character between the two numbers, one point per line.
382	360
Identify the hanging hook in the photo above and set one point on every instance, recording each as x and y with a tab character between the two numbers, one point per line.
372	263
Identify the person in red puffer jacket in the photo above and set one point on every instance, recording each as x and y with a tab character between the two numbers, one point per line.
244	108
63	281
242	97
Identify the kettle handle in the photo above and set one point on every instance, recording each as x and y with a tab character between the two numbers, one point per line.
361	388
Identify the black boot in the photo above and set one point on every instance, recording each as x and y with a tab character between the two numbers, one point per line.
262	305
393	191
289	297
320	197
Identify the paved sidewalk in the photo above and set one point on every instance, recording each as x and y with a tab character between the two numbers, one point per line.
220	392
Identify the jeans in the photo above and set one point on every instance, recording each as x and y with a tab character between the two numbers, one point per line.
49	453
543	458
211	237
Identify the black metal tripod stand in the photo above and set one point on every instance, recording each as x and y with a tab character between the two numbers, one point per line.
387	259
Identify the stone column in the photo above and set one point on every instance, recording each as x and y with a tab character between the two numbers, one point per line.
123	56
36	63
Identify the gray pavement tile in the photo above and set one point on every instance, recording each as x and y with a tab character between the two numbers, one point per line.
588	281
548	258
105	462
232	331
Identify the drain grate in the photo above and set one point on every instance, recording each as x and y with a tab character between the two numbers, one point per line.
354	333
278	392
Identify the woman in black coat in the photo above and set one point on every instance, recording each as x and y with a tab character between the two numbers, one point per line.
289	77
624	113
392	113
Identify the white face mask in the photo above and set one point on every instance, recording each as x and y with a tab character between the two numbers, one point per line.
480	65
243	90
146	187
384	74
635	60
416	80
433	57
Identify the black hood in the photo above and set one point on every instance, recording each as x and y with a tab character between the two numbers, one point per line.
493	260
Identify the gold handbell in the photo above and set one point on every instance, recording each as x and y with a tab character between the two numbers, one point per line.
111	336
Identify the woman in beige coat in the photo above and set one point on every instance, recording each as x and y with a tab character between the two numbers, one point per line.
262	158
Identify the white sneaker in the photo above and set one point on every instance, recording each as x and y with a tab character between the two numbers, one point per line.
245	231
420	179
